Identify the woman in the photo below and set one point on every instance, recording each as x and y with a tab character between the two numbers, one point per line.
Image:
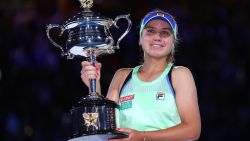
158	101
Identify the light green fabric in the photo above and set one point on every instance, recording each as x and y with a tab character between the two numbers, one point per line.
142	110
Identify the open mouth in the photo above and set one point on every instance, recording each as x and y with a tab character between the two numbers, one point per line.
156	45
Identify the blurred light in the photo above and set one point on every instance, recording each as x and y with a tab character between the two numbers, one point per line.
28	131
12	124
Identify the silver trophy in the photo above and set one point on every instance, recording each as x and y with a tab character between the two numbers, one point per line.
93	117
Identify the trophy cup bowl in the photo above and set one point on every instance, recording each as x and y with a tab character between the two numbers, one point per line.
93	117
88	31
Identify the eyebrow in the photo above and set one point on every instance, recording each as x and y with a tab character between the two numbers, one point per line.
167	28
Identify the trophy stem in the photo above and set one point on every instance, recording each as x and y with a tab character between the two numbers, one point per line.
92	60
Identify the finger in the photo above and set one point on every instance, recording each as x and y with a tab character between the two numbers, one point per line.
89	72
98	65
85	63
88	68
124	130
89	75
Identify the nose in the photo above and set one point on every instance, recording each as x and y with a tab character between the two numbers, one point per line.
157	37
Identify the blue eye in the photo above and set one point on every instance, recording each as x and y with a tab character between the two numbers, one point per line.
166	33
150	31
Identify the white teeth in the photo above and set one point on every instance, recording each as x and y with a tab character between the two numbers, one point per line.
156	45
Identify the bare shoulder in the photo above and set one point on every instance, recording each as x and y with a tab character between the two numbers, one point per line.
182	79
182	76
116	83
121	75
181	71
123	72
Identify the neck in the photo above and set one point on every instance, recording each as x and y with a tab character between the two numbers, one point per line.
152	69
153	65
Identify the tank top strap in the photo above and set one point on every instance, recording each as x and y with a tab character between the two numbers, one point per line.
168	68
125	81
162	76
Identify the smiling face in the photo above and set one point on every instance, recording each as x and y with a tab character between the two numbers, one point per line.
157	39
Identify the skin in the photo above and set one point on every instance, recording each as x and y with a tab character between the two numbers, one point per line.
157	41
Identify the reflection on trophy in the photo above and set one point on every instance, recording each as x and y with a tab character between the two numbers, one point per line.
93	118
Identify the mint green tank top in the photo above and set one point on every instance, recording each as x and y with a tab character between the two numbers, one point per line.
147	106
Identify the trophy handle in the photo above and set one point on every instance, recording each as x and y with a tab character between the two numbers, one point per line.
49	27
127	30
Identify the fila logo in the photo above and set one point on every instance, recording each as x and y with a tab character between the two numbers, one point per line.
160	96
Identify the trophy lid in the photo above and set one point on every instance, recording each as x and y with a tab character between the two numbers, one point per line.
87	17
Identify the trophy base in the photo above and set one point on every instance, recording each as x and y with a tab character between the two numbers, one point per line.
101	137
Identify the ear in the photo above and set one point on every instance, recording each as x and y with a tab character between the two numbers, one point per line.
140	42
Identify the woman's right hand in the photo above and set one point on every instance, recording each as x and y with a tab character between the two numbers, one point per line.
89	71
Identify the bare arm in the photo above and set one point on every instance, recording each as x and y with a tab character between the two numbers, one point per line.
187	104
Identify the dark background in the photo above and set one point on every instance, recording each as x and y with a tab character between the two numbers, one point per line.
38	87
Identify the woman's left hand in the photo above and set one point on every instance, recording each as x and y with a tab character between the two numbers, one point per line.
134	135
